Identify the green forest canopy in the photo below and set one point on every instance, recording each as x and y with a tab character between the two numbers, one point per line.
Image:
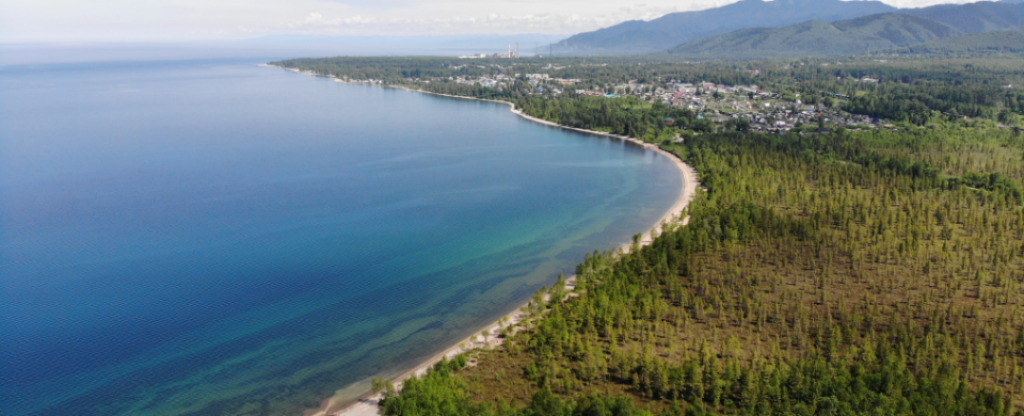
869	272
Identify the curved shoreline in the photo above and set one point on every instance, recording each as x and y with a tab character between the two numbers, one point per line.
368	404
687	172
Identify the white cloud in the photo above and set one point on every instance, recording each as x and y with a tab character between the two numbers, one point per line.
120	20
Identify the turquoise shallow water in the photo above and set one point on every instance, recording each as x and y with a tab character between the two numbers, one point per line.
218	238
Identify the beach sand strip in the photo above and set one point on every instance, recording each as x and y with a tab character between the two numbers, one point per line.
368	405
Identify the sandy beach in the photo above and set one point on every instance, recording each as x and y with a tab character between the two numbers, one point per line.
368	405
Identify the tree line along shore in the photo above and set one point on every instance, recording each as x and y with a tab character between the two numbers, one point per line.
827	272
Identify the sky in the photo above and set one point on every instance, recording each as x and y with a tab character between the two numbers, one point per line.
70	21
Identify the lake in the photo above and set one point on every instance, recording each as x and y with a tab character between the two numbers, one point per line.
220	238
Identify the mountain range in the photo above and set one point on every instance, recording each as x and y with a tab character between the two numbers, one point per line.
887	31
751	28
985	16
865	34
637	36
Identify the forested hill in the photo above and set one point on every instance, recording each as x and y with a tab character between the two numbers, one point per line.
1008	41
866	34
757	17
977	17
635	37
861	35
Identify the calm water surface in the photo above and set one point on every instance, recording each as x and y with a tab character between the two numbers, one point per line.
218	238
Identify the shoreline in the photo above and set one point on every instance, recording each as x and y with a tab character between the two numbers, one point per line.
368	404
687	172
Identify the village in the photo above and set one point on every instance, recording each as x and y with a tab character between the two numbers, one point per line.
765	111
748	105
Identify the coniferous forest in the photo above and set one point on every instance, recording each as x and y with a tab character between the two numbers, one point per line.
817	276
840	272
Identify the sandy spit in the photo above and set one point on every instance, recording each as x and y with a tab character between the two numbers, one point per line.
368	405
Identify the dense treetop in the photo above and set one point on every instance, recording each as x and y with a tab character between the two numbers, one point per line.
876	272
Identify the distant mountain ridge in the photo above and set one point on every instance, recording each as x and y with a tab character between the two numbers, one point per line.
985	16
865	34
1007	41
676	29
870	33
634	37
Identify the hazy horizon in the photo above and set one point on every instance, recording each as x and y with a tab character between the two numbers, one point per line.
272	47
120	21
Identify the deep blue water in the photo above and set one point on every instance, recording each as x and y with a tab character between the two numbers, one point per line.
218	238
